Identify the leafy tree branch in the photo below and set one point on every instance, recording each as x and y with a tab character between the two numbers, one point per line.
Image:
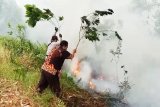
89	26
34	14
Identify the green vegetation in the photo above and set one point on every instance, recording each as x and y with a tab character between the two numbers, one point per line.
21	62
23	65
34	14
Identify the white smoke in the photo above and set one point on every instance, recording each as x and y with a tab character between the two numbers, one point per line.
9	13
142	58
140	54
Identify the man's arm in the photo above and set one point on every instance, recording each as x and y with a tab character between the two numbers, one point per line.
60	37
57	44
72	55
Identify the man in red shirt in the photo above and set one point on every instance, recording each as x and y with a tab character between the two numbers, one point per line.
52	66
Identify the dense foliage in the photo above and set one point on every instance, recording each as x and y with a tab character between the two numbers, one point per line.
34	14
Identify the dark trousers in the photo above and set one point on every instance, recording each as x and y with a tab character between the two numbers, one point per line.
51	80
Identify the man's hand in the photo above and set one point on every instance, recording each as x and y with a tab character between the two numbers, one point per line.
74	51
56	29
72	55
60	35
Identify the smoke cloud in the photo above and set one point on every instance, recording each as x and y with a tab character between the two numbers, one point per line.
9	13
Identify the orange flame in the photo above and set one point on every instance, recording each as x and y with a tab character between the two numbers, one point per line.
76	70
91	85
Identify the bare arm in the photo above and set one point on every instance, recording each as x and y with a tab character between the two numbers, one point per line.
72	55
60	37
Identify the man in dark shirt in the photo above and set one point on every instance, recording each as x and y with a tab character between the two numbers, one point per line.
52	66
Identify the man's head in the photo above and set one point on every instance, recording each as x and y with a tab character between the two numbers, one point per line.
54	39
64	44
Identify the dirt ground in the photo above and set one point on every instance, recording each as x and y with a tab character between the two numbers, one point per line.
12	95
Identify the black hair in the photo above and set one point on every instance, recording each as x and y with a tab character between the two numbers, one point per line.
63	43
54	38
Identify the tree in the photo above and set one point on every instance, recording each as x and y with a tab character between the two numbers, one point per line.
34	14
89	26
89	23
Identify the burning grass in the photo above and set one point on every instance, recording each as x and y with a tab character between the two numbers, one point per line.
95	83
73	96
18	83
82	98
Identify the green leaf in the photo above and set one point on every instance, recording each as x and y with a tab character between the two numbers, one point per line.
45	16
102	13
97	21
94	29
95	14
84	19
31	23
34	14
61	18
104	34
48	12
110	10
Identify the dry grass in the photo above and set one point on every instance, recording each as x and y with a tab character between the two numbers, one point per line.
12	95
